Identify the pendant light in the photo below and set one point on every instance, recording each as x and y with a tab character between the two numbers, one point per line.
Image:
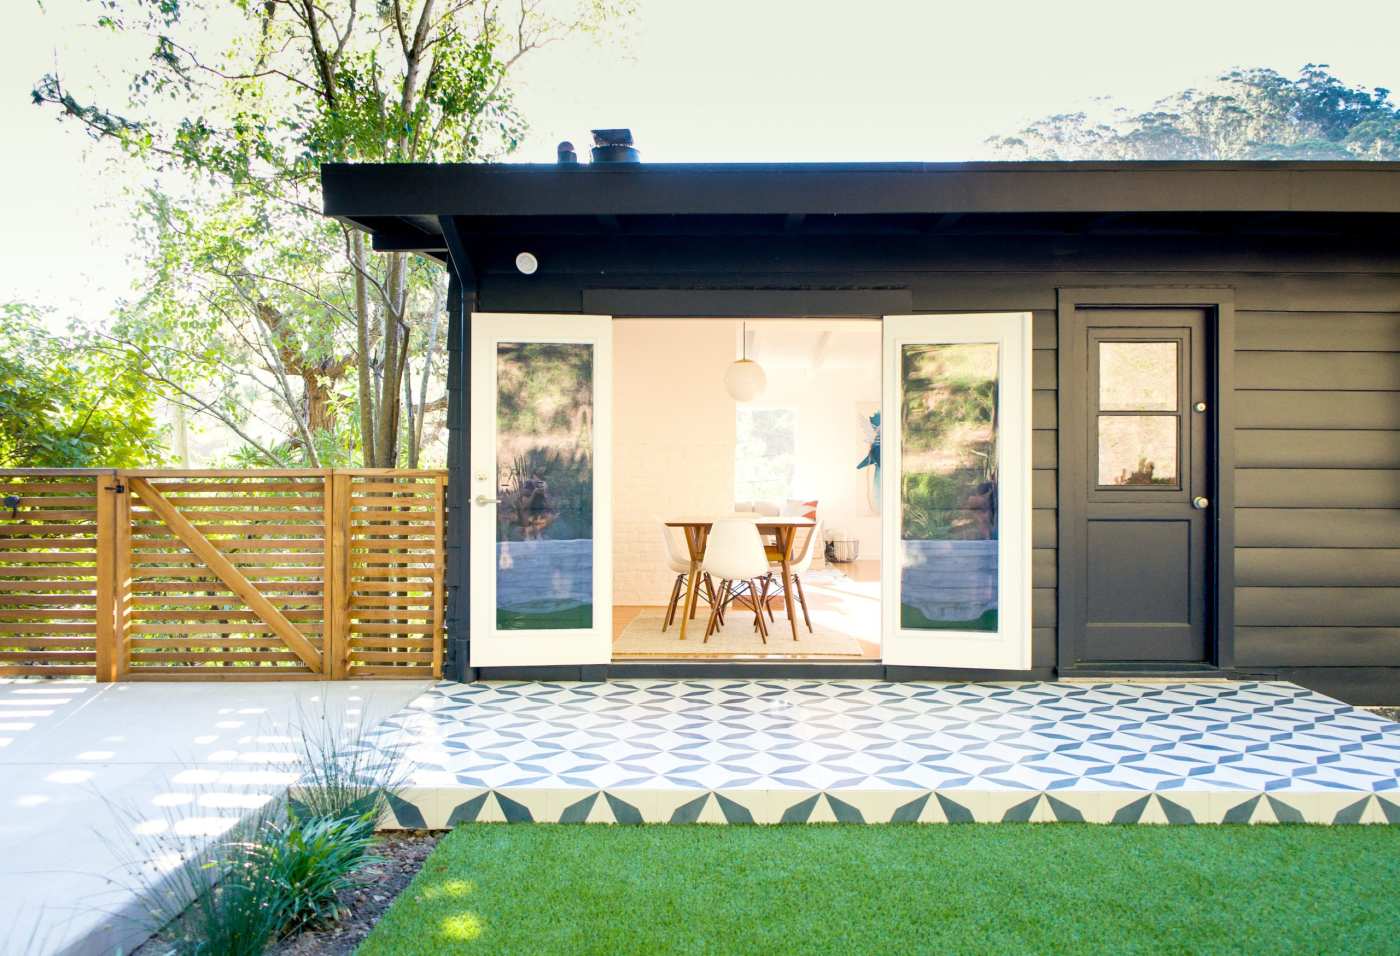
745	380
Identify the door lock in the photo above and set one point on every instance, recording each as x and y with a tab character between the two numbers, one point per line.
482	501
1200	406
1200	503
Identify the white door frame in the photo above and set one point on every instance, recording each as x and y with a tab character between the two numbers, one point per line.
1009	648
491	647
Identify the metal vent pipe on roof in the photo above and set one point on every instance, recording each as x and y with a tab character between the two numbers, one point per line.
614	146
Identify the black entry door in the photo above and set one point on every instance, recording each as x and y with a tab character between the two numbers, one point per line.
1140	534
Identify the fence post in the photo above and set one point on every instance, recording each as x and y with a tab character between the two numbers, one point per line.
121	562
106	584
439	569
338	548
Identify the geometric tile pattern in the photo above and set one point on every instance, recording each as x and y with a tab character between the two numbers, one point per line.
772	751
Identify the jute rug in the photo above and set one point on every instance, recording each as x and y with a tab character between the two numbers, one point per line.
643	638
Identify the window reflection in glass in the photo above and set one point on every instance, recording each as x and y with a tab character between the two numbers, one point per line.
544	483
1137	450
949	487
1137	376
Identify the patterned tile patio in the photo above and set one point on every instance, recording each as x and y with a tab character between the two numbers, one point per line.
861	751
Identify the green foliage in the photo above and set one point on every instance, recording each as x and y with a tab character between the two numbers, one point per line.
236	904
310	861
280	869
255	310
985	888
948	439
65	402
343	772
1246	114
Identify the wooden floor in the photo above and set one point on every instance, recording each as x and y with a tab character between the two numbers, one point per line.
830	603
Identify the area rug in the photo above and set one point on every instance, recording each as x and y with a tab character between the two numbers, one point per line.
643	638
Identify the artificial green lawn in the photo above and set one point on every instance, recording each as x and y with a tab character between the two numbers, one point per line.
534	888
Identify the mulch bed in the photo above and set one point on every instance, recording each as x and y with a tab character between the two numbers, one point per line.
1389	713
401	855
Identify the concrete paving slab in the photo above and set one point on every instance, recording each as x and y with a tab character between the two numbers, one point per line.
94	777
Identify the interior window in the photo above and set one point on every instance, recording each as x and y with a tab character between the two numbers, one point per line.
765	453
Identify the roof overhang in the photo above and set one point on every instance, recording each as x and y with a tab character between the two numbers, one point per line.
403	205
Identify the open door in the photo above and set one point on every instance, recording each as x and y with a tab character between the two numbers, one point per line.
541	489
956	487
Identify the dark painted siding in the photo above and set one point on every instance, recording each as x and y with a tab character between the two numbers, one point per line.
1318	484
1317	401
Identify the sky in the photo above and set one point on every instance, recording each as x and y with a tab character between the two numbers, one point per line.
718	80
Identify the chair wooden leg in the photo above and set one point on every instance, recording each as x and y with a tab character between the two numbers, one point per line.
758	610
802	596
766	582
712	594
670	617
714	615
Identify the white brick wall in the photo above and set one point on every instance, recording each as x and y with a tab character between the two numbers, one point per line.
673	441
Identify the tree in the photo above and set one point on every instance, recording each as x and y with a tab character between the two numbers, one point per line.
66	405
1246	114
253	300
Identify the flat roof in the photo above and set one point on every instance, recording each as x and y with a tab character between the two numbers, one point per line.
356	192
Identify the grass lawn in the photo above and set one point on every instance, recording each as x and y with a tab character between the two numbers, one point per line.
498	888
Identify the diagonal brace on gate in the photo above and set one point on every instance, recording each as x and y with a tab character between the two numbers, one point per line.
225	571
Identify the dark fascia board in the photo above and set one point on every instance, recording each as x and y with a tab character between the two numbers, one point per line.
362	192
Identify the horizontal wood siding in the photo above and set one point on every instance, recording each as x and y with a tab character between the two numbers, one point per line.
1317	449
1317	399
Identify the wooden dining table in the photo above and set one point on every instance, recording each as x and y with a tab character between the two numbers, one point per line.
697	532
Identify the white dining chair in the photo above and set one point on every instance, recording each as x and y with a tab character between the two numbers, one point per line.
678	560
801	563
734	556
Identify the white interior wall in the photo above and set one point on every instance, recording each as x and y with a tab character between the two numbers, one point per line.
673	441
831	440
674	429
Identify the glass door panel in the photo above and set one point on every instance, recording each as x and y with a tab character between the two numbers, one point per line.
956	527
541	469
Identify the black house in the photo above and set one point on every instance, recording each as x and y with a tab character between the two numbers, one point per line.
1192	453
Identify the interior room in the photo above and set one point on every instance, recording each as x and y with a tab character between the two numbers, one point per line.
800	458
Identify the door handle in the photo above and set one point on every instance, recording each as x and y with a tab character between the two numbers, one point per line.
482	501
1199	502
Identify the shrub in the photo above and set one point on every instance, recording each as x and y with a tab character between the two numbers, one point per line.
281	869
310	862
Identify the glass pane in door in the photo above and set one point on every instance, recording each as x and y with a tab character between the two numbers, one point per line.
1137	376
949	487
1137	450
544	485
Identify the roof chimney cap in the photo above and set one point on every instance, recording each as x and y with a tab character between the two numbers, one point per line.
614	146
566	152
612	137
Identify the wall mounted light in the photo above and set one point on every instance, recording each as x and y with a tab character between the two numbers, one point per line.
527	263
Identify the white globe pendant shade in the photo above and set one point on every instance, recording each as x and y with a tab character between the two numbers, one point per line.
745	380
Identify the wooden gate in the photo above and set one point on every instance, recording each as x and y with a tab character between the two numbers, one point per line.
179	575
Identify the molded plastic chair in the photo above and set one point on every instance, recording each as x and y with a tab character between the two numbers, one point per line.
734	554
801	562
678	559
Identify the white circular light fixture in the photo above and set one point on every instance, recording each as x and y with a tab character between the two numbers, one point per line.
745	380
527	263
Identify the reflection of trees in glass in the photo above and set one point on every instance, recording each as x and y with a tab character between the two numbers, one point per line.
948	442
765	454
544	421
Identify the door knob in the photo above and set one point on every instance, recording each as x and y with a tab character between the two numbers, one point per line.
1199	503
482	501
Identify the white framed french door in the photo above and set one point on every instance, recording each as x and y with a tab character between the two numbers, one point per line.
956	491
541	489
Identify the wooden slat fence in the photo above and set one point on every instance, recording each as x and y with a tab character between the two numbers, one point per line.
49	591
181	575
